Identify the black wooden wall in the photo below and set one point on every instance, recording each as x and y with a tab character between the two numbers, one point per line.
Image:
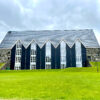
57	57
38	55
53	58
68	56
23	58
84	58
42	58
28	53
73	56
12	62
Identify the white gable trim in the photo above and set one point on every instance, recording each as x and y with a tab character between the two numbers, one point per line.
50	42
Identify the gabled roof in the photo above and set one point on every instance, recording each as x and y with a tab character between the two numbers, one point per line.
86	36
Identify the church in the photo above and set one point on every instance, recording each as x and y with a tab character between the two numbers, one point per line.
49	49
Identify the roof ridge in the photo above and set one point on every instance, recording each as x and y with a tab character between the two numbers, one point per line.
50	30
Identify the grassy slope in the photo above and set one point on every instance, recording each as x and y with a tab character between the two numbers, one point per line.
68	84
1	64
95	64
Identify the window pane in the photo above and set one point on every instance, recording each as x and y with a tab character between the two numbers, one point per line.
63	54
78	54
18	56
33	56
48	56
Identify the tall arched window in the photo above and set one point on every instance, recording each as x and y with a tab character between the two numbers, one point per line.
48	56
33	56
78	54
18	56
63	54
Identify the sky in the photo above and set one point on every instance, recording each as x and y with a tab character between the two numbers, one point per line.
22	15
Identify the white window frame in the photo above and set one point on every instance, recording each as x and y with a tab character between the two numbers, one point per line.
48	55
78	54
33	56
63	55
18	56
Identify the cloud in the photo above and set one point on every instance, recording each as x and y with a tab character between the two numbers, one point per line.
49	14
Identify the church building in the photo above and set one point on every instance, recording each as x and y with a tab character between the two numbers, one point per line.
49	49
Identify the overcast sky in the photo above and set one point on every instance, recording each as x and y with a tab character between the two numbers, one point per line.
49	15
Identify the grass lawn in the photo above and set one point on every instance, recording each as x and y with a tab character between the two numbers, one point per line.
1	65
65	84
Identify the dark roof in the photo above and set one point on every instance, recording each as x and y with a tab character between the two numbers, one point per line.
86	36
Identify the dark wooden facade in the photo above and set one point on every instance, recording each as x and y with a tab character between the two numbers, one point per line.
55	57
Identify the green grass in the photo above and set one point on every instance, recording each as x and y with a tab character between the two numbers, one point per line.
65	84
93	64
1	65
